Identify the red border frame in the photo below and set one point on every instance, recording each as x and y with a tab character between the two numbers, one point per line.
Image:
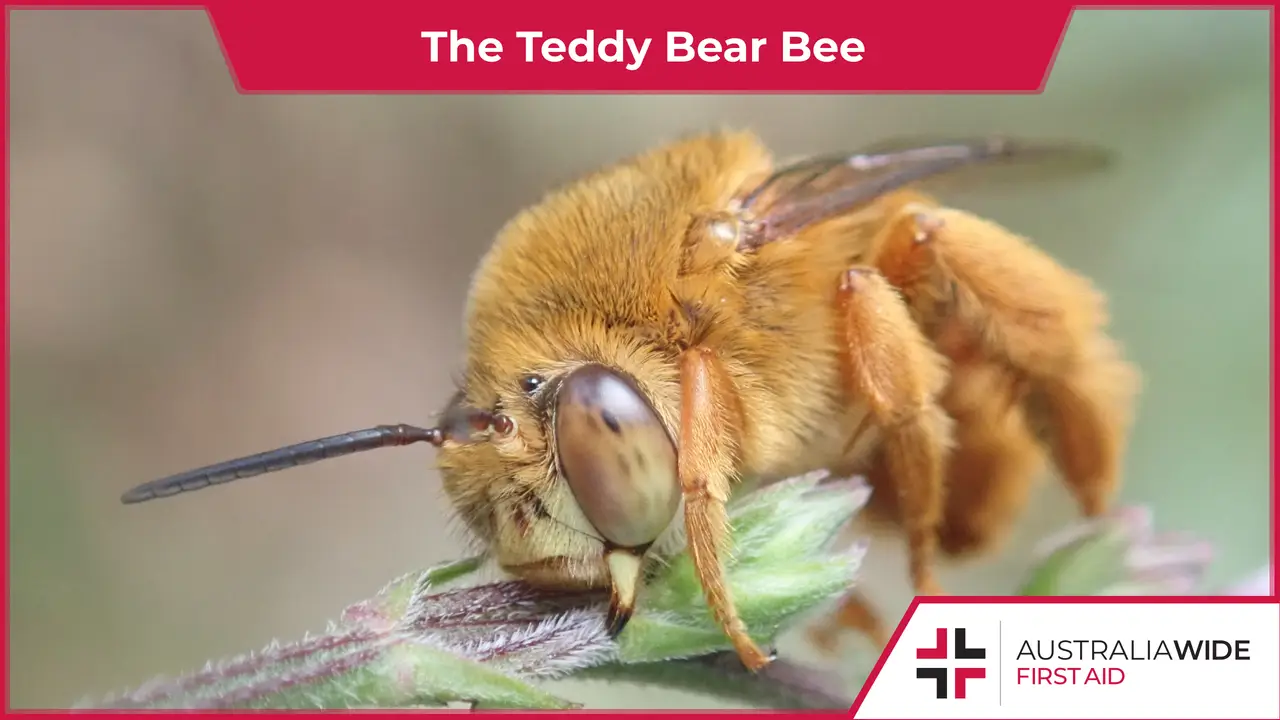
489	9
1057	600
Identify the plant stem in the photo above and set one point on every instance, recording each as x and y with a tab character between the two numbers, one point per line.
419	642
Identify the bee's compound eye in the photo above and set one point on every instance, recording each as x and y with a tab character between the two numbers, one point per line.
616	456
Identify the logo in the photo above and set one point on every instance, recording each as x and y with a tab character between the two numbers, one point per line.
962	674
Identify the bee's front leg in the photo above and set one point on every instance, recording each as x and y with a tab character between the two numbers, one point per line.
890	366
706	466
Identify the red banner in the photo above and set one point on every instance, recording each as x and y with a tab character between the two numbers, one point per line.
666	45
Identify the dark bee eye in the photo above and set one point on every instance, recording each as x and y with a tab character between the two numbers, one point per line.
530	383
616	456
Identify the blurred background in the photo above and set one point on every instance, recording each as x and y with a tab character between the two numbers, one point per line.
197	275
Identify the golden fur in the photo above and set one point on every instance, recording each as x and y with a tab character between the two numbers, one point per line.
919	344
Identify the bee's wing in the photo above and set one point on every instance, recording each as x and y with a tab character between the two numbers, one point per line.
1020	161
819	188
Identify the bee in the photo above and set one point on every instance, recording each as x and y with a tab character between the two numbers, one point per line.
644	339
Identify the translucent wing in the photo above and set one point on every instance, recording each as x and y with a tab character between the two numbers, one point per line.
819	188
1023	161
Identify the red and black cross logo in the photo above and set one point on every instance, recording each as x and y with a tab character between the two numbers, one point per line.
962	674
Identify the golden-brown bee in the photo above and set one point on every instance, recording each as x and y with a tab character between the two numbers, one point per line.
644	338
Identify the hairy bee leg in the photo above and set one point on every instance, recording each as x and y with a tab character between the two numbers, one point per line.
890	365
705	466
989	473
854	613
1010	300
1085	417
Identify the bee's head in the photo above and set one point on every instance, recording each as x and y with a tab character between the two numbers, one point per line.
569	485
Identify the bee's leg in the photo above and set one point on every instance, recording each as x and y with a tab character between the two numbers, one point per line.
706	465
1084	416
994	464
1011	299
890	366
854	613
994	295
988	479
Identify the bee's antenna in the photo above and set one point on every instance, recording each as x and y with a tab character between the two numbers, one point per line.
284	458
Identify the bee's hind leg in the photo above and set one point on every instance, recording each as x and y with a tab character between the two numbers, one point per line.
1005	300
994	465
